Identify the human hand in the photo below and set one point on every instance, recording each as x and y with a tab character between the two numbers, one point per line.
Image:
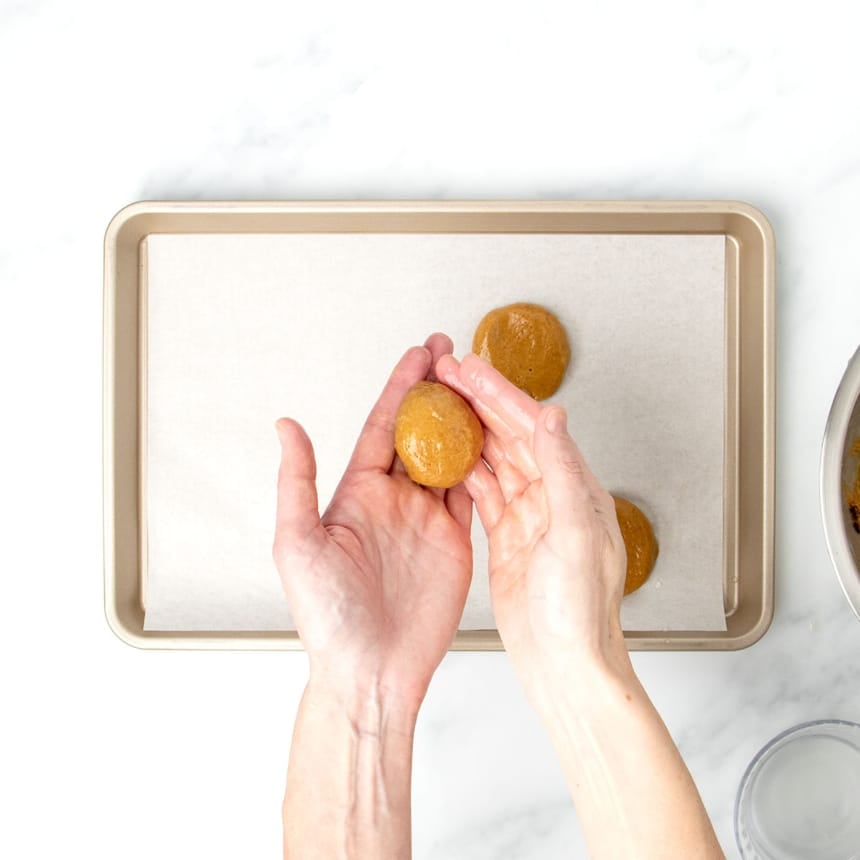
377	585
557	559
557	565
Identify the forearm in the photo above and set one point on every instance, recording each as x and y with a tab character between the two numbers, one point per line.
349	779
633	793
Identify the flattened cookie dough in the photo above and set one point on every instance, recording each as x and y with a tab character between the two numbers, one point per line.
527	344
437	435
639	541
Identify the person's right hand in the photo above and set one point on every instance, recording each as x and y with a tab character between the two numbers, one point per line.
557	566
557	559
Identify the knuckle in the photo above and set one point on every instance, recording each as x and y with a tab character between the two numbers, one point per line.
570	465
604	504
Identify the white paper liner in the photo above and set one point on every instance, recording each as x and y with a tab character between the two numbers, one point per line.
243	329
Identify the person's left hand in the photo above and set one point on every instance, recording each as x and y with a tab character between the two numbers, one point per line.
378	584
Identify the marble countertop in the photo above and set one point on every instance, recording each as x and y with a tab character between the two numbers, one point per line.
113	752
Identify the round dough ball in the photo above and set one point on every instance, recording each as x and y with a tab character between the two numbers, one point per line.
639	541
527	345
437	435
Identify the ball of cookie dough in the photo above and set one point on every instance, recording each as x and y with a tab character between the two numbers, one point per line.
639	541
437	435
527	344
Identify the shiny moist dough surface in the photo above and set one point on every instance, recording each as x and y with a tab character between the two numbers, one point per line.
437	435
527	344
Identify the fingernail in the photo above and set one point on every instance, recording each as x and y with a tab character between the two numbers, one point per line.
556	421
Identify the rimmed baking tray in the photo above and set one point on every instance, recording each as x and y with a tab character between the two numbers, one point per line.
749	365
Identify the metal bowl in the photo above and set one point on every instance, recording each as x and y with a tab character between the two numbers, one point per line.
840	482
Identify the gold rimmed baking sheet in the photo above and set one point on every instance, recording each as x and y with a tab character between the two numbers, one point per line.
748	431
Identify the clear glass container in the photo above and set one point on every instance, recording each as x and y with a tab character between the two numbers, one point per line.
800	796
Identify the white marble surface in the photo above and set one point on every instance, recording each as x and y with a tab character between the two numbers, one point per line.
111	752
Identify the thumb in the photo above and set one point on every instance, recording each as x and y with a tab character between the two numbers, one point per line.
563	470
298	508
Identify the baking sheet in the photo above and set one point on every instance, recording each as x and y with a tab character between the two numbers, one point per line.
244	328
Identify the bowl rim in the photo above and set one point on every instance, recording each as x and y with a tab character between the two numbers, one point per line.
763	752
830	483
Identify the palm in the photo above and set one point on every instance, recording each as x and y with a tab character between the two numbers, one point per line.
377	585
388	572
524	571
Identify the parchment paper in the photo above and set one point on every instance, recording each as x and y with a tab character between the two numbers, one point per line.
245	328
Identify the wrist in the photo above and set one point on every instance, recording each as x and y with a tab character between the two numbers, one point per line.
371	706
577	690
349	780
